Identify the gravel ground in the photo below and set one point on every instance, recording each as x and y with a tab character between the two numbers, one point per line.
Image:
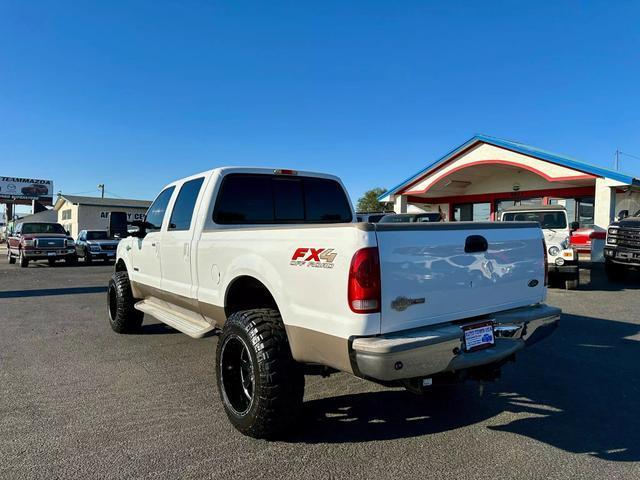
79	401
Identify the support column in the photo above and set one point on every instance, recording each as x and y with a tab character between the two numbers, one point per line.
400	204
605	203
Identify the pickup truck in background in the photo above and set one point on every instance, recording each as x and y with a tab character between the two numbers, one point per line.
31	241
277	261
562	257
96	244
622	247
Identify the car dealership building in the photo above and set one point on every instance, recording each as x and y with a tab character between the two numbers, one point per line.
481	177
77	213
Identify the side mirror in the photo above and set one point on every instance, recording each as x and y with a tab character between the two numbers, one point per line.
574	226
67	232
139	228
117	224
622	214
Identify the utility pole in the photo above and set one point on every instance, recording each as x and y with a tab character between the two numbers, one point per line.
101	187
617	159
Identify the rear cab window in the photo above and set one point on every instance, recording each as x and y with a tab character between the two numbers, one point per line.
246	199
185	204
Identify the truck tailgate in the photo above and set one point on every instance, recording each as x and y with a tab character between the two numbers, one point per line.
428	278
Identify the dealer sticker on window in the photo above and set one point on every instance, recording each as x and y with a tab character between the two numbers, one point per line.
478	336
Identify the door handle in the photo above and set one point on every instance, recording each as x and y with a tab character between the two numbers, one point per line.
128	247
153	244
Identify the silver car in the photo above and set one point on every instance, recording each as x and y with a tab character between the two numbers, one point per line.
96	244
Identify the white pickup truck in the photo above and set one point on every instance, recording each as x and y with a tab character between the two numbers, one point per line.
277	261
562	259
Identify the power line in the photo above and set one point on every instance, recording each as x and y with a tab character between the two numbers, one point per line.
629	155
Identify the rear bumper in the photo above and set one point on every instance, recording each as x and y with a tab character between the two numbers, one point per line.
434	349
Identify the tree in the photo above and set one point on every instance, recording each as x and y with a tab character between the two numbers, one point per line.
368	202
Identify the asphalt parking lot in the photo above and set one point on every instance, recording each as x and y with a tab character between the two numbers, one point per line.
79	401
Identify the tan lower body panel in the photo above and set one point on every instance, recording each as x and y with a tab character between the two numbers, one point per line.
307	346
310	346
212	313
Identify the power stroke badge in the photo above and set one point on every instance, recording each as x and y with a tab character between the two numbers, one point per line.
313	257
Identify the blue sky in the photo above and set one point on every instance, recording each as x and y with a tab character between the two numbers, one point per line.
135	94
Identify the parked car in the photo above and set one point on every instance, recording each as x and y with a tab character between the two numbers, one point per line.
580	239
412	218
96	244
370	217
276	260
622	247
31	241
35	189
562	258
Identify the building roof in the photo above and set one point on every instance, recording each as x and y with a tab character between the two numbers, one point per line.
46	216
103	202
524	149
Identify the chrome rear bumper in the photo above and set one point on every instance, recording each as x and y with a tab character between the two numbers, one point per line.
434	349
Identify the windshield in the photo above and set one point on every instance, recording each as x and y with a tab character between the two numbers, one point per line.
42	228
550	220
99	235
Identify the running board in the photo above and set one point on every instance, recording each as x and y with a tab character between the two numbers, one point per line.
191	324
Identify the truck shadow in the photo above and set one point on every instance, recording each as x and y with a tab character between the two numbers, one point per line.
579	391
592	278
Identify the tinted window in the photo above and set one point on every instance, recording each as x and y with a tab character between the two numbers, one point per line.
244	199
545	219
156	211
255	199
185	204
395	219
375	218
287	199
98	235
325	201
42	228
431	217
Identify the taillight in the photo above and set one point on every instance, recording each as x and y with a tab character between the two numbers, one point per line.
545	259
364	281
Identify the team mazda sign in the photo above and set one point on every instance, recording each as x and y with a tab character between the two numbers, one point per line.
25	188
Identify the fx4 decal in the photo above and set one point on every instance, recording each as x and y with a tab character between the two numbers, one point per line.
313	257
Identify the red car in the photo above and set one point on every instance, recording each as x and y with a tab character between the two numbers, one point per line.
40	241
35	190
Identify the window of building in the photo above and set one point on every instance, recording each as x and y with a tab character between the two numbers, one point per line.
185	204
578	209
467	212
267	199
156	211
521	202
66	214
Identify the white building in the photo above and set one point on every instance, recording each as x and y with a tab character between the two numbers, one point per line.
77	213
476	180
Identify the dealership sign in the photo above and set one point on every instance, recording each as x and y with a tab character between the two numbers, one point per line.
131	216
25	188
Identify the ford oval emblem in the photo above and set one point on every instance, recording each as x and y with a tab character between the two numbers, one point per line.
533	283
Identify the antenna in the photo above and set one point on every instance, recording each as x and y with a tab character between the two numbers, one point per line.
101	187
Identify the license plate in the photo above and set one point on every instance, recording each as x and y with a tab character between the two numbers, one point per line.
51	254
478	336
111	254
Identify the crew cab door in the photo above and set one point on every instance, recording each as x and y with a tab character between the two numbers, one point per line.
177	240
146	256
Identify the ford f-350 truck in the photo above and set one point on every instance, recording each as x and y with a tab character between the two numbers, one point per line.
276	260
